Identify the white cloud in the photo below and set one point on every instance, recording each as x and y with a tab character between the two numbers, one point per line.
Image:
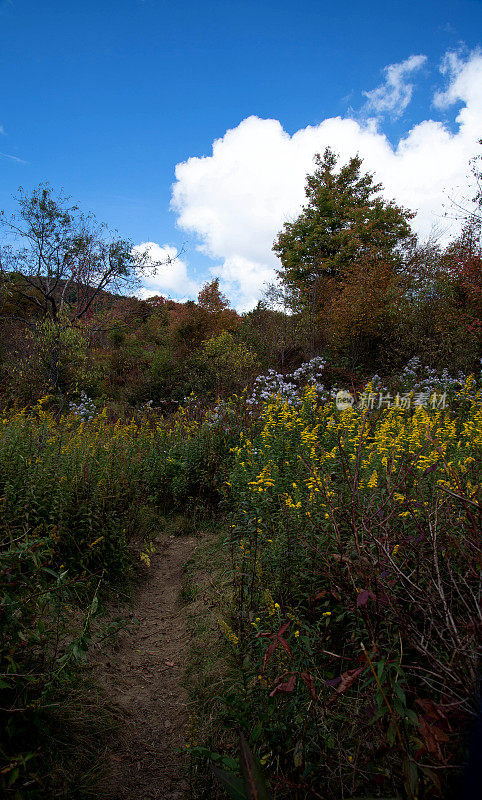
8	155
243	280
14	158
394	95
170	278
465	85
236	200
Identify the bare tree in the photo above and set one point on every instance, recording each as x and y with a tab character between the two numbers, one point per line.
470	209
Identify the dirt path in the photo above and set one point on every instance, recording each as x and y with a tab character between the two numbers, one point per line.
141	678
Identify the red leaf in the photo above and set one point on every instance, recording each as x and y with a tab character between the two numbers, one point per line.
363	597
432	736
285	645
322	594
333	681
273	645
431	710
253	779
308	680
348	678
283	629
429	469
344	682
288	686
269	652
282	641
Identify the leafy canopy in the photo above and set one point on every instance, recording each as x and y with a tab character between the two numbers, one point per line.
344	221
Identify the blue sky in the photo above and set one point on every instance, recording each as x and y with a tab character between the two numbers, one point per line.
104	99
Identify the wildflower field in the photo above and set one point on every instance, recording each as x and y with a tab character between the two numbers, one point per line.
80	501
349	608
354	622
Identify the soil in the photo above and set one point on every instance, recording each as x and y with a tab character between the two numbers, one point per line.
141	678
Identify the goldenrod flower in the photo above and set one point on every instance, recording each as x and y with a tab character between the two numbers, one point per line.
373	482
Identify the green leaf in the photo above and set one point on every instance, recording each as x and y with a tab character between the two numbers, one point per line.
400	694
380	713
391	733
232	784
253	778
230	764
256	733
13	776
49	572
411	782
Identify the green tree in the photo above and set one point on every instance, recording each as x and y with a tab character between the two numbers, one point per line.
227	364
344	221
58	261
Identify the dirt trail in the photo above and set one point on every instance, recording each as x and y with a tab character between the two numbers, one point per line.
141	678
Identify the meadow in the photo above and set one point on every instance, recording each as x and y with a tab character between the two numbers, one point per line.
349	611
